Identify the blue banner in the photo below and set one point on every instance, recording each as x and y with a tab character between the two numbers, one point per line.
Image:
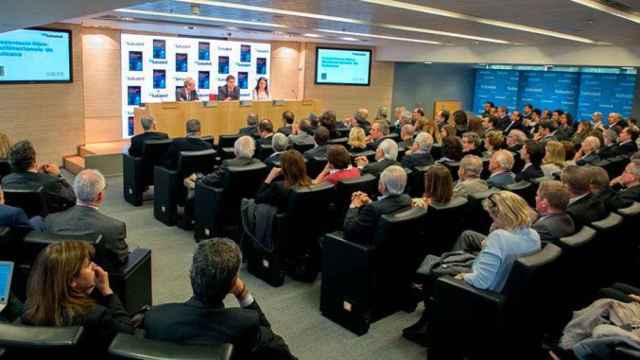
606	93
549	90
499	86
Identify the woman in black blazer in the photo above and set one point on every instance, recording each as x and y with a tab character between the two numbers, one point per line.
294	174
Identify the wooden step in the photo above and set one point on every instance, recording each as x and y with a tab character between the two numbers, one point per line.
74	163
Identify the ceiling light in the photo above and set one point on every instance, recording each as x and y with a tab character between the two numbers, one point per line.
428	62
196	17
313	35
386	37
609	10
349	39
341	19
476	19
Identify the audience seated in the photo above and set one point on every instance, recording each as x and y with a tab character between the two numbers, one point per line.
252	126
244	149
420	152
12	217
407	134
192	142
627	141
84	218
301	133
582	208
553	222
377	134
547	131
66	288
357	142
321	136
451	149
615	122
599	187
294	174
432	129
515	140
204	320
265	130
386	155
610	147
280	143
26	172
565	130
554	158
149	133
287	119
442	118
5	146
338	166
469	181
630	180
360	118
588	153
364	214
438	187
500	166
504	120
515	123
460	121
493	141
471	144
328	120
532	153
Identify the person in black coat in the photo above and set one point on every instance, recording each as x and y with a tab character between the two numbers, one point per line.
66	288
471	144
515	123
292	173
252	126
553	222
627	142
583	207
13	217
630	179
204	320
58	192
137	142
288	118
602	192
532	153
377	134
321	137
386	155
364	214
610	147
420	152
265	130
192	142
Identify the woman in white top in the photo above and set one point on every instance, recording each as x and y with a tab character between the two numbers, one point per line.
261	91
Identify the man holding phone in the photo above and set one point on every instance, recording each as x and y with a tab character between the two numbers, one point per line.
229	91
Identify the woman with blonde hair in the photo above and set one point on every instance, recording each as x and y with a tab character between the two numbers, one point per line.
357	140
493	141
5	146
554	159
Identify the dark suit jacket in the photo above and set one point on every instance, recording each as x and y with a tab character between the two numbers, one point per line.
183	144
531	172
113	251
318	151
58	192
137	142
627	148
376	168
196	323
501	180
608	151
374	144
587	210
274	194
589	159
285	130
565	133
515	125
476	152
181	95
417	159
265	141
503	123
272	159
249	130
554	226
215	178
624	198
360	223
223	93
14	218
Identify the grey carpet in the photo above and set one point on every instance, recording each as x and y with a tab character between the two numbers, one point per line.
292	309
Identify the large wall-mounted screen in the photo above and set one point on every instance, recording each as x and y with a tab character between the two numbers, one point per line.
343	66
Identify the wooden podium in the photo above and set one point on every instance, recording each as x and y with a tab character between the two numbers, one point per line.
221	117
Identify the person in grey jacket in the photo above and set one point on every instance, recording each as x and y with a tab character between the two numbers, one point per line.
469	181
500	166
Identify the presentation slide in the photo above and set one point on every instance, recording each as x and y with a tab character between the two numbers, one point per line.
35	56
153	67
343	66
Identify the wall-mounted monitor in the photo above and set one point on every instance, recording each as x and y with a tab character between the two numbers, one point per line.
335	66
35	56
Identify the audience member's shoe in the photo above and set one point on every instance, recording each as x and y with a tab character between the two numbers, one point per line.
418	332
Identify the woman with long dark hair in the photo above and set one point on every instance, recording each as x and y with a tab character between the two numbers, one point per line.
261	91
293	171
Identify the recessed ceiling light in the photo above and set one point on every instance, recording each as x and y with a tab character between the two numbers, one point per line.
386	37
341	19
476	19
349	39
428	62
609	10
197	17
190	27
313	35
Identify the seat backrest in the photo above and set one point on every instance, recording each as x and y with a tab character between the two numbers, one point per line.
31	199
227	141
153	151
632	211
443	224
240	182
478	219
303	147
20	339
263	151
35	241
338	141
209	139
583	237
366	183
190	162
307	206
525	268
525	190
5	168
316	165
436	151
125	346
453	167
415	182
609	225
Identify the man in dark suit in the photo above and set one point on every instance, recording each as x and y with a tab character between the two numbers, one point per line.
58	192
13	217
204	320
610	147
84	218
252	126
627	141
548	131
188	91
599	185
515	123
377	134
386	155
588	153
532	153
364	214
229	91
503	118
553	222
420	152
630	179
583	207
265	130
616	122
244	149
287	118
321	137
471	143
191	142
500	166
361	119
279	143
149	127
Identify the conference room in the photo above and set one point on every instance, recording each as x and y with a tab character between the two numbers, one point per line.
320	179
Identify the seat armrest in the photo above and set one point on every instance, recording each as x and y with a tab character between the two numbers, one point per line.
338	237
127	346
45	238
458	302
626	353
38	337
134	260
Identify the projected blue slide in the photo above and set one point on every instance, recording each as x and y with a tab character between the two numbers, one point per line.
35	56
343	66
